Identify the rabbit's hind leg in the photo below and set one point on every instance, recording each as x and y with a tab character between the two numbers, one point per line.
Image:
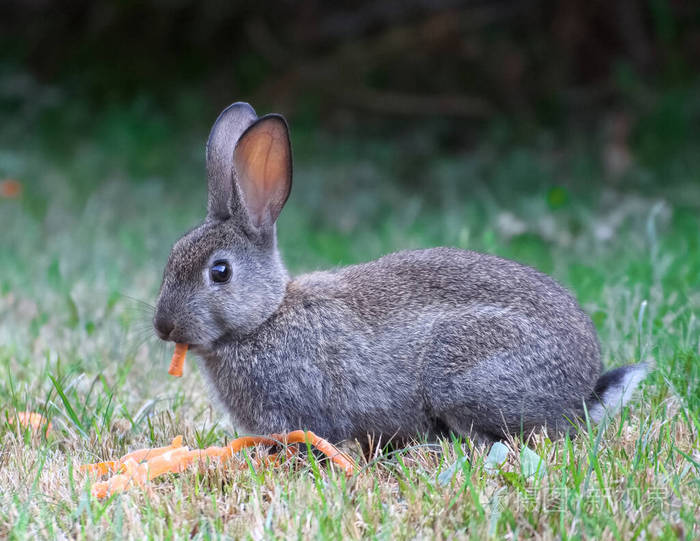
461	425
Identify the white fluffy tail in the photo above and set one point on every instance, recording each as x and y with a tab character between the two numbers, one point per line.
614	389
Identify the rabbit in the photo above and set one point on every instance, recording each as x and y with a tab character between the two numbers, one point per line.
415	344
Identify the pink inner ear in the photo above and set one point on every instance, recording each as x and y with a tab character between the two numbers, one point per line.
262	162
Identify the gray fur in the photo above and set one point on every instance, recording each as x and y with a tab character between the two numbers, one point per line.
415	343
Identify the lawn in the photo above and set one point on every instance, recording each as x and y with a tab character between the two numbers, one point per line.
106	193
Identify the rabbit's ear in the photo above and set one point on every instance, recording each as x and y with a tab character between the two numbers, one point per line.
262	161
232	122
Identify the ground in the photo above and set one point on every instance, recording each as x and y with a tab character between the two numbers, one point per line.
81	255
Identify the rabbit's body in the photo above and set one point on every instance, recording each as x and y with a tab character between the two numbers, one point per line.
415	343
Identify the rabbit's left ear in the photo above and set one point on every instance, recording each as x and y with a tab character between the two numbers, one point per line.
262	162
223	200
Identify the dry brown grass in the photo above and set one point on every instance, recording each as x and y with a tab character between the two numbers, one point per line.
640	478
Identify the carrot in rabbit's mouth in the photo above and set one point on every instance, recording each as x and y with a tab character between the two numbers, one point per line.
178	361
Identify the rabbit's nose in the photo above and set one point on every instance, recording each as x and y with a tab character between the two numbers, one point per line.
163	325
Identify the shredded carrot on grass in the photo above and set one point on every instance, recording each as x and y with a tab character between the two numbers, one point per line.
35	421
139	467
178	361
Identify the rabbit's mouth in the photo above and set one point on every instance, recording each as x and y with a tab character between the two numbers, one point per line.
169	331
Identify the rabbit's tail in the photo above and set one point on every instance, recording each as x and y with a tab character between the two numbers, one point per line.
614	389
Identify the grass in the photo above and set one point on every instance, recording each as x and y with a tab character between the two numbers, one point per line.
80	260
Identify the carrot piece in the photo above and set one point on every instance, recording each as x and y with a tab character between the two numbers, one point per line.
298	436
151	452
10	188
35	421
102	468
178	361
175	457
139	455
326	447
133	473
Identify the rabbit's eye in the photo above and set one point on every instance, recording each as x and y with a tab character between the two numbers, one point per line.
220	272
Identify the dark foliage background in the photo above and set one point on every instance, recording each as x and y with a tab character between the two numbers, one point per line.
541	59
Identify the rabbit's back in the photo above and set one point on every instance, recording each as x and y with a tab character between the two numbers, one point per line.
450	277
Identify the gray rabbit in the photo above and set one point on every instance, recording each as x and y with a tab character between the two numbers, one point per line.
415	344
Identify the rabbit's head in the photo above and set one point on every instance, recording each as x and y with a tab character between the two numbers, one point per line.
226	276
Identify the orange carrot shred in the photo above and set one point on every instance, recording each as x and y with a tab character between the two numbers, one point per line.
35	421
139	467
178	361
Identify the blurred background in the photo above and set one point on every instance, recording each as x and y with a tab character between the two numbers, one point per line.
562	134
